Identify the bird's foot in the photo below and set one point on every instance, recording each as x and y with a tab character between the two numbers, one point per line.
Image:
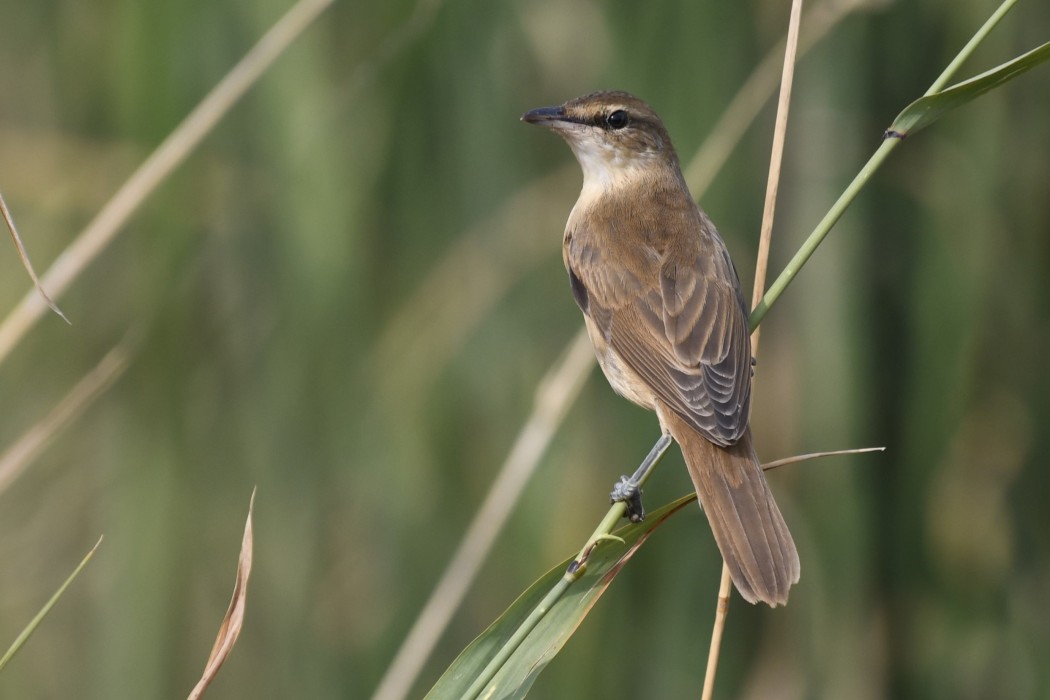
627	491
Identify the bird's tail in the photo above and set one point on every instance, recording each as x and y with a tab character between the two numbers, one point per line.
747	525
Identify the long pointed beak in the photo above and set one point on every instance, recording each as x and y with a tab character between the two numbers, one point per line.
544	115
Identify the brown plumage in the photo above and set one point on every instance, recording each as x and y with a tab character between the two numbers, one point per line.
663	308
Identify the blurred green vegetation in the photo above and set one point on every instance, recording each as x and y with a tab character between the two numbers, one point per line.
275	276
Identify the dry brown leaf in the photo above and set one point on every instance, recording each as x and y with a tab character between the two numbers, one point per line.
234	619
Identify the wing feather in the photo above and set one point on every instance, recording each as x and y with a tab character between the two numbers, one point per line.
686	335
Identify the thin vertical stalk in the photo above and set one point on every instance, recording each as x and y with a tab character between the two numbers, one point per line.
725	588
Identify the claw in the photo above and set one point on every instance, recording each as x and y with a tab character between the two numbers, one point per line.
627	491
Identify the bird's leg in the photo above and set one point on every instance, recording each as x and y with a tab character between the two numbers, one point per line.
628	489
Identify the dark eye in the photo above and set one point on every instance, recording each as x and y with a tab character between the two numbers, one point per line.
618	119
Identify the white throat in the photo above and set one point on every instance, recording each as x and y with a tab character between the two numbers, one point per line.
606	169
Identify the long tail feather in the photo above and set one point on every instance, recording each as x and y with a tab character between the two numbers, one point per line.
746	522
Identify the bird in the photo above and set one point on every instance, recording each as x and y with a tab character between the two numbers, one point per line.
663	308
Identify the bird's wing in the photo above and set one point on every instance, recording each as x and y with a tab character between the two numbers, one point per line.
685	334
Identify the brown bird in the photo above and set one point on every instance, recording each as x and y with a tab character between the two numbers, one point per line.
663	308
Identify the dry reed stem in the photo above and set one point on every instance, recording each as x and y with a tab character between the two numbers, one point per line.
158	166
393	44
462	288
556	393
18	456
745	106
725	587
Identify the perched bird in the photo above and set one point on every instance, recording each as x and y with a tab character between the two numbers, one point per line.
663	308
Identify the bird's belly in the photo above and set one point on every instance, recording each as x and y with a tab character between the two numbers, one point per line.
622	378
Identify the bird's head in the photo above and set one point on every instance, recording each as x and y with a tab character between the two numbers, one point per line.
614	135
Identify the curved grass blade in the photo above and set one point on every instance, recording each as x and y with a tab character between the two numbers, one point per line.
926	110
35	622
26	263
548	637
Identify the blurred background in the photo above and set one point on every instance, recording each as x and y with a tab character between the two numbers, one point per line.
348	295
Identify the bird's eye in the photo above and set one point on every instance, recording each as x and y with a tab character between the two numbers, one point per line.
618	119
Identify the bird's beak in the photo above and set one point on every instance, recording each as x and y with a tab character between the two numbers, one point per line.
544	116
